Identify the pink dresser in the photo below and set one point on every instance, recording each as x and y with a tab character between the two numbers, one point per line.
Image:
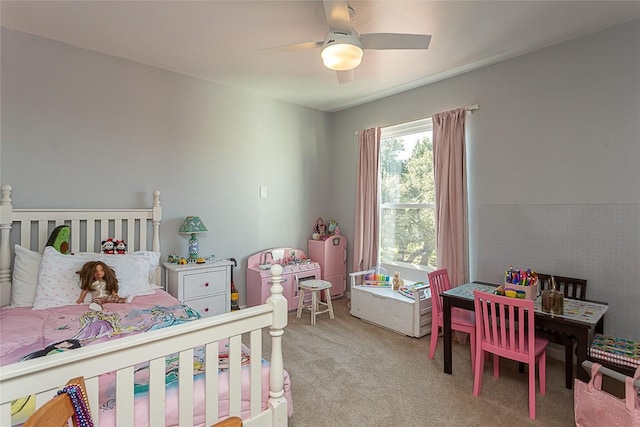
331	254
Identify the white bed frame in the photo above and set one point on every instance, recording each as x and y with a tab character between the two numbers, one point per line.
43	376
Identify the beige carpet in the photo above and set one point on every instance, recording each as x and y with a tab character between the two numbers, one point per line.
346	372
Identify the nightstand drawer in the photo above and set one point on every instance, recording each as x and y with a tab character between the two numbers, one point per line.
202	284
209	306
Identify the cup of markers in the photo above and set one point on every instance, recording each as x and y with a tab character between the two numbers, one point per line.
520	283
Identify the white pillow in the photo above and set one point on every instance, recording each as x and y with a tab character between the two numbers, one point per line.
154	261
152	257
132	272
26	265
58	282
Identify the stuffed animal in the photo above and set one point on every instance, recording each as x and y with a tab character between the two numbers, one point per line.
59	239
397	281
121	247
108	246
319	230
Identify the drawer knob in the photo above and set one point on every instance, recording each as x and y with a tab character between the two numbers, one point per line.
206	284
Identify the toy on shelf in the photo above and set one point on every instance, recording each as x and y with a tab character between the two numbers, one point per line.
323	232
410	290
319	230
397	281
334	228
377	276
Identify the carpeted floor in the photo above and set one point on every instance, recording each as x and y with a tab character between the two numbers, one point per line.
346	372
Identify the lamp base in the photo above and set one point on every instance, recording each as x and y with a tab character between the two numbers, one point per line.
193	248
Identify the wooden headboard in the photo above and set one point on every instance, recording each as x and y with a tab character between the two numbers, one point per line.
89	227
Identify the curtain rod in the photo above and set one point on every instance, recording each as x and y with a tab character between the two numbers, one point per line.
470	109
609	372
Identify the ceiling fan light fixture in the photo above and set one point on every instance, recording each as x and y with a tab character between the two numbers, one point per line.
341	52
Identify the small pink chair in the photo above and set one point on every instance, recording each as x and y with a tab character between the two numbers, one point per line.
504	327
461	320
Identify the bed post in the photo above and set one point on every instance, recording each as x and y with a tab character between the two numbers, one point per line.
157	217
6	221
277	402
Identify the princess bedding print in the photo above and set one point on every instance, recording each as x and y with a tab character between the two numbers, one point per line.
28	334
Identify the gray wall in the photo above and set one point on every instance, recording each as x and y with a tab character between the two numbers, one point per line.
84	129
559	126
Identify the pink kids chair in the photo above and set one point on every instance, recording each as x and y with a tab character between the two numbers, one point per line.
461	320
505	327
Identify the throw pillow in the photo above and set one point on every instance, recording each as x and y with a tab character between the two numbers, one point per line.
25	277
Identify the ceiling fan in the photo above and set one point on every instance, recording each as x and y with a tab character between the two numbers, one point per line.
343	47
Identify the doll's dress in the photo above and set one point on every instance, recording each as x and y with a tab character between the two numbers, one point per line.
99	289
100	295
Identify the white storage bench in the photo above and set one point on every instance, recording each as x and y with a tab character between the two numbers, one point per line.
390	309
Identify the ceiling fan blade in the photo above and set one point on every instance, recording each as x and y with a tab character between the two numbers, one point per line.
395	41
344	76
337	14
293	47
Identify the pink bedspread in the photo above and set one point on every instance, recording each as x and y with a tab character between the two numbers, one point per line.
28	334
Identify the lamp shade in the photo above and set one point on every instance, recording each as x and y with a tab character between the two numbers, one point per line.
341	52
192	225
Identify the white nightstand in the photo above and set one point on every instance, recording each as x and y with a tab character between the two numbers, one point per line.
204	287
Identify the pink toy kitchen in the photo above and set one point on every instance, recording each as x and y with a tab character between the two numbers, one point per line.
296	268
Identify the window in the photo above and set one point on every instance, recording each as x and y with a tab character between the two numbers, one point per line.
407	196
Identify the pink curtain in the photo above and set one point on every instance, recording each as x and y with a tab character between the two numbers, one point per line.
451	193
365	244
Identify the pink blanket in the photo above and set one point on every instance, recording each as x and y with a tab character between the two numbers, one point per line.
28	334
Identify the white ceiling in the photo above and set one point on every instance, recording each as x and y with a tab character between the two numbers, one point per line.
219	40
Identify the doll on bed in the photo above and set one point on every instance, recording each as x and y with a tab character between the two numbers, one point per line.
99	279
